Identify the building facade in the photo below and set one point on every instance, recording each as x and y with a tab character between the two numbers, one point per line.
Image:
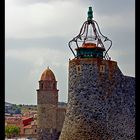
27	125
50	116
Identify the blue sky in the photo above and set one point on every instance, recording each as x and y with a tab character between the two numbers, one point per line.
37	33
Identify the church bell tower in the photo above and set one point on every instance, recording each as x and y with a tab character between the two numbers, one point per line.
47	102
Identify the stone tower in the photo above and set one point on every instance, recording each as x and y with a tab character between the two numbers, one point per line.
101	100
47	101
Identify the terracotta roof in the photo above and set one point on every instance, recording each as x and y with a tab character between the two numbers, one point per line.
28	126
25	118
47	75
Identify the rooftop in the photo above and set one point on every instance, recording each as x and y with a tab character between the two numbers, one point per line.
47	75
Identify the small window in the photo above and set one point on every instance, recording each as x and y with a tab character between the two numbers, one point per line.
102	68
78	68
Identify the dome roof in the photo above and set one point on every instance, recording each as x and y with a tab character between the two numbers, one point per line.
47	75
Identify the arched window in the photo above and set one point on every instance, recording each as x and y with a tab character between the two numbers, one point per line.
41	85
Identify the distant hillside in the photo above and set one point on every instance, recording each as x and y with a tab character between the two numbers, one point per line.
8	104
13	108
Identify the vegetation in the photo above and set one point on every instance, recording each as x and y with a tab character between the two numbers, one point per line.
12	131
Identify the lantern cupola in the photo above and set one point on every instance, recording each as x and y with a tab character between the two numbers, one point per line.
89	42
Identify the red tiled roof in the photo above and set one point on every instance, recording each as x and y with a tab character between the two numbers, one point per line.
27	126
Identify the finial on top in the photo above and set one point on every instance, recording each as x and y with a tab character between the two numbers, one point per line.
90	14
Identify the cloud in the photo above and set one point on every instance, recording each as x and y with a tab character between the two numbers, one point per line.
32	2
37	33
41	20
28	65
47	19
36	56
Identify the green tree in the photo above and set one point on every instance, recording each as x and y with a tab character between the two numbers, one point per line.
12	131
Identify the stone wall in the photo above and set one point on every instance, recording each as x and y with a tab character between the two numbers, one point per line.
61	111
101	102
47	115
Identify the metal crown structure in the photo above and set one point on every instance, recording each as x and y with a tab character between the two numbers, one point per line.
90	32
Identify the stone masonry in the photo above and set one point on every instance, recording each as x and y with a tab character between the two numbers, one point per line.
101	102
50	117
